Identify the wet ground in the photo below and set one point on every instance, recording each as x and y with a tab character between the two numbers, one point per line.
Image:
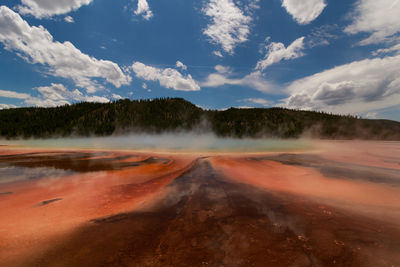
133	209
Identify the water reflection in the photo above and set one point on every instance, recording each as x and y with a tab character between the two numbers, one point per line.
15	174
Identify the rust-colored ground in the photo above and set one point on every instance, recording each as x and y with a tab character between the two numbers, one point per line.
336	206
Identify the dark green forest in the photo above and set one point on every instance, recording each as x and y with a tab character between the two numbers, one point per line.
176	114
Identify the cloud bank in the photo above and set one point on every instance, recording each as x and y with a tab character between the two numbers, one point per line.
356	87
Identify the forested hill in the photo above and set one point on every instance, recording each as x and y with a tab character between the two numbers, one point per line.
176	114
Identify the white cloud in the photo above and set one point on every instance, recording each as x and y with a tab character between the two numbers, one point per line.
322	35
36	46
253	5
258	101
218	53
59	92
53	95
393	49
7	106
168	78
222	69
356	87
12	94
181	65
116	96
69	19
244	107
58	95
380	18
229	25
254	80
277	52
97	99
48	8
304	11
41	102
371	115
143	9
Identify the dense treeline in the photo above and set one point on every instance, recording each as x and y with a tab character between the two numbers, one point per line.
176	114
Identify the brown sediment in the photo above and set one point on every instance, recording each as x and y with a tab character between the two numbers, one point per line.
49	201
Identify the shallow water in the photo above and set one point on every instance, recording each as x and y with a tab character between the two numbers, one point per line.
14	174
171	143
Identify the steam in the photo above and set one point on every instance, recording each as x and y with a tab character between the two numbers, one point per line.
180	142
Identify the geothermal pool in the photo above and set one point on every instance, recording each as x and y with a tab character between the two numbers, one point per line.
168	202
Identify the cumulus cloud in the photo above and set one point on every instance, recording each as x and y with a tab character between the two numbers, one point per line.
380	18
48	8
181	65
254	80
69	19
229	26
356	87
304	11
12	94
277	52
143	9
168	77
36	46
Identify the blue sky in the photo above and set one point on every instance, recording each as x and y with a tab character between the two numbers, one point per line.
338	56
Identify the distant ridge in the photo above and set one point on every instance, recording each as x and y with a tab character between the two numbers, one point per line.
176	114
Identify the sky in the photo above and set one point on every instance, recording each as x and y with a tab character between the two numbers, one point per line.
337	56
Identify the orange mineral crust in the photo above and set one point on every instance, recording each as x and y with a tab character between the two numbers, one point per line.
353	193
370	153
35	212
337	204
